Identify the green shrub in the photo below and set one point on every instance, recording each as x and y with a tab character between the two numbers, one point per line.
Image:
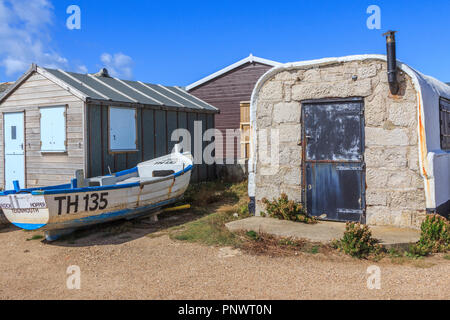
357	241
253	235
36	237
285	209
243	209
434	237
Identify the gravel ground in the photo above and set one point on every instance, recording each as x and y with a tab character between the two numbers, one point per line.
134	266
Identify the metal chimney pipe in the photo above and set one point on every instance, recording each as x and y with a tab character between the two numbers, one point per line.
391	61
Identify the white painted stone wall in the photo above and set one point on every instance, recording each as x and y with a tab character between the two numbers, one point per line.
395	190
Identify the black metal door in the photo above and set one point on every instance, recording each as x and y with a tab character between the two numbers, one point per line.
333	163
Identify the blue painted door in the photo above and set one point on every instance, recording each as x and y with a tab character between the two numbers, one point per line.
333	163
13	130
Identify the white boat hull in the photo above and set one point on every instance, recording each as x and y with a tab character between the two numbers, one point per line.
60	208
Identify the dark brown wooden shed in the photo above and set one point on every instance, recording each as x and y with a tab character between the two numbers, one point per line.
230	90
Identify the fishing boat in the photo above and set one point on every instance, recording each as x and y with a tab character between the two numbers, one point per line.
59	210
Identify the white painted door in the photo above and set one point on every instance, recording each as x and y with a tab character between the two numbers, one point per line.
14	149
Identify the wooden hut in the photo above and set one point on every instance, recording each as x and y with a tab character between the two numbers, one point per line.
56	122
230	90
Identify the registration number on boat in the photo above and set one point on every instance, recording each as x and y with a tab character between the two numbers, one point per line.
89	202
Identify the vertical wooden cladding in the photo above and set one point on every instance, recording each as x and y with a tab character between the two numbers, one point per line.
160	133
226	92
171	126
154	127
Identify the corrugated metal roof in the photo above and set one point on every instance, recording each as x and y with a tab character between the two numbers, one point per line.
96	87
4	86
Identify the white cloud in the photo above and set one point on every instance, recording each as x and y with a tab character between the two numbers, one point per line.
118	65
24	36
82	69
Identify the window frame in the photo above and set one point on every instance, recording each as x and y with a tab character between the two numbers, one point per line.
120	151
245	130
444	108
63	151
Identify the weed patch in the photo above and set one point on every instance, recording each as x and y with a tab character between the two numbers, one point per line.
209	230
36	237
218	203
206	193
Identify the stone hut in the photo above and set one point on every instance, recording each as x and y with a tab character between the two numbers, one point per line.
330	134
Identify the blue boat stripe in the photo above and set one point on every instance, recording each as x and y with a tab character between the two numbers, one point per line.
62	186
187	169
125	172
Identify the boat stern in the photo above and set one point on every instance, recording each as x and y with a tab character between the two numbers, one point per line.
25	211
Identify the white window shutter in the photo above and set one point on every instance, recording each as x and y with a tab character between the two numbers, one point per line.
53	129
122	129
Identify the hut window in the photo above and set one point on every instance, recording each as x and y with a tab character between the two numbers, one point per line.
245	130
445	123
13	133
122	129
53	129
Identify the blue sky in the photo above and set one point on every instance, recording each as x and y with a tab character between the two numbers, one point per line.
179	42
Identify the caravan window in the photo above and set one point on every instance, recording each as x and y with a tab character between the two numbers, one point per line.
53	129
122	129
444	109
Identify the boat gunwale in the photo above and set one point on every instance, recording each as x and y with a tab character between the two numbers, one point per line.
56	189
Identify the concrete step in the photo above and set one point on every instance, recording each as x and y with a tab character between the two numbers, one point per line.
324	231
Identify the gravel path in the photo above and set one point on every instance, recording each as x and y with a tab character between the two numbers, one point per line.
140	267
